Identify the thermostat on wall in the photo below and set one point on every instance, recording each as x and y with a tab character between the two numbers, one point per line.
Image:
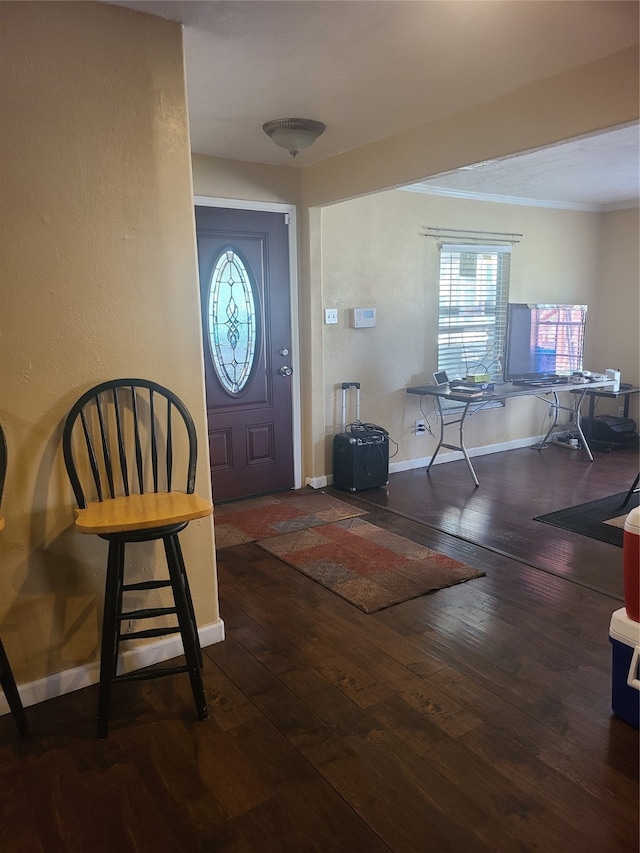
363	318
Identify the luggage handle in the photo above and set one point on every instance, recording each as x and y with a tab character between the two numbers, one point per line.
345	387
632	680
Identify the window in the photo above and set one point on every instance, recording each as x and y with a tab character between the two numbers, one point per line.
473	297
233	327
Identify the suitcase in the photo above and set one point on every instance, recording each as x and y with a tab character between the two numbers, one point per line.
360	451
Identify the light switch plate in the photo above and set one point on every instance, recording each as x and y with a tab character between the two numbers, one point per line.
330	316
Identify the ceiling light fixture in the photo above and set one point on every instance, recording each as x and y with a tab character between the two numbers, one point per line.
294	133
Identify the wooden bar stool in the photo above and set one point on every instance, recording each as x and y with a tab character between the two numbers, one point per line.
7	681
122	442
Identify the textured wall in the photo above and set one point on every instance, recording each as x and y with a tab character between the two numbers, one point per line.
99	280
374	254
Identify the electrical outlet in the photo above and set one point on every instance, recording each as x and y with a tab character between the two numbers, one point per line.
421	427
620	411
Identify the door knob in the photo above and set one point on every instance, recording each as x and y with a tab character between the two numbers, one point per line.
285	370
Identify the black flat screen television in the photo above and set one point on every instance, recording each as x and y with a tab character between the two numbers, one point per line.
543	340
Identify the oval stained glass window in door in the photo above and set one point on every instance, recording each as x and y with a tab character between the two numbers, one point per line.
233	325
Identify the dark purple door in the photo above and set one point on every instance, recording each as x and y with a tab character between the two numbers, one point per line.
243	259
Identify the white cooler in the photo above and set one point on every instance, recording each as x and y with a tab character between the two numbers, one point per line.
624	636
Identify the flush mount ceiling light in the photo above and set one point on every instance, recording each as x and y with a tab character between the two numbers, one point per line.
293	133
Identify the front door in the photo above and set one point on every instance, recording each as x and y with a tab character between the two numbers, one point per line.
243	258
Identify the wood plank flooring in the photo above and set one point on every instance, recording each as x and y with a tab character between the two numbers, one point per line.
515	487
476	718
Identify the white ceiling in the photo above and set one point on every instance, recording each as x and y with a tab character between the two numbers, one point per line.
372	68
596	173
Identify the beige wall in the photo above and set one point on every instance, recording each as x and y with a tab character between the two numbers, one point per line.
374	254
617	300
234	179
99	280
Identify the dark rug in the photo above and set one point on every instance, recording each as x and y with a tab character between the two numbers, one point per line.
366	565
602	519
271	515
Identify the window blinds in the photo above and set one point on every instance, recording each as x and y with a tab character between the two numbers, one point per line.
473	297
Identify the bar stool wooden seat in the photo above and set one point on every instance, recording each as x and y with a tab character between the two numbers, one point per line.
7	681
124	442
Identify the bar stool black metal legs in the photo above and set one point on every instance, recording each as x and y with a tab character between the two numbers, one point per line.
7	681
634	488
116	614
11	693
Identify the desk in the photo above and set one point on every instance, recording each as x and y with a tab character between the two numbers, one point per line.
593	393
505	391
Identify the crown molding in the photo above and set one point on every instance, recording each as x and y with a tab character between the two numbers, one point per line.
501	199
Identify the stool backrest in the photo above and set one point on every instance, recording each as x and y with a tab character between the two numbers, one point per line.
125	437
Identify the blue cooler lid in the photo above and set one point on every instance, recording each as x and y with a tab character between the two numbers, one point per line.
623	629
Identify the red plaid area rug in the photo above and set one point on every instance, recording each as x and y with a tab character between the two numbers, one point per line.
271	515
366	565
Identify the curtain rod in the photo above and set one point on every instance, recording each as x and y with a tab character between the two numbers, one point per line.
478	236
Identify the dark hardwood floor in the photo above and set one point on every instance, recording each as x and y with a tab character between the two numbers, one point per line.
476	718
515	487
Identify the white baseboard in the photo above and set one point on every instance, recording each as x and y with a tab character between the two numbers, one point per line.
84	676
450	456
318	482
455	455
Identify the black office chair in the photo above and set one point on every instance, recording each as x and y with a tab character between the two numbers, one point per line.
123	441
7	681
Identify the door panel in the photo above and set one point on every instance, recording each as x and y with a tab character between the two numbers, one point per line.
243	258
